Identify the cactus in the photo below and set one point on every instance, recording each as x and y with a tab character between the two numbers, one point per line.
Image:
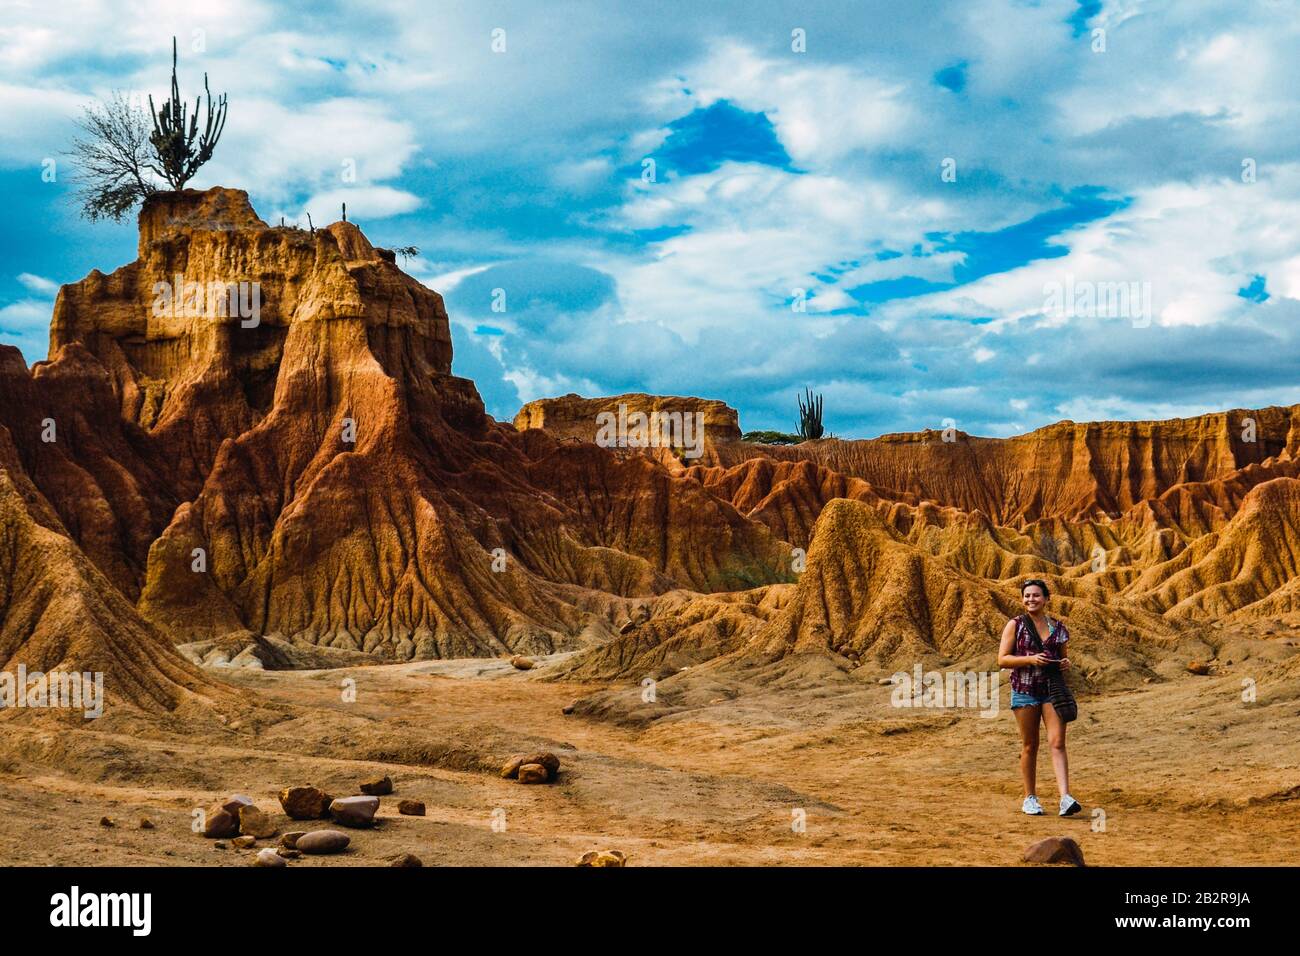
810	416
174	143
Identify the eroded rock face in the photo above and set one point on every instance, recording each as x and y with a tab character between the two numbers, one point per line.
574	417
312	475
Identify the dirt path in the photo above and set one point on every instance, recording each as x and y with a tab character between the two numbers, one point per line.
1184	774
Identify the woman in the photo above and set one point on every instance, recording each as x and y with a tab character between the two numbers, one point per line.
1030	661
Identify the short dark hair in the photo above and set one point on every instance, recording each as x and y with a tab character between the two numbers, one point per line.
1040	583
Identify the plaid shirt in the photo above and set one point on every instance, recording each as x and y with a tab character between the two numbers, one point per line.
1032	679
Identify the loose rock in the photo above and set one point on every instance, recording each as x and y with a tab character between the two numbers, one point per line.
306	803
519	662
1198	667
220	822
411	808
1055	850
378	788
322	841
354	811
287	853
236	801
146	823
268	857
243	842
290	839
533	773
405	859
603	858
106	822
253	822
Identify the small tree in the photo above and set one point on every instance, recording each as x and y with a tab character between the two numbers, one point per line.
810	416
173	142
113	159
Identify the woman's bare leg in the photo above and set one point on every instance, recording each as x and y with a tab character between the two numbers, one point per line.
1027	718
1056	741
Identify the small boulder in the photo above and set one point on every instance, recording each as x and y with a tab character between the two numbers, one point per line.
287	853
1198	667
379	787
548	761
533	773
569	708
106	822
354	811
1055	850
243	842
603	858
290	840
305	803
253	822
268	857
236	801
220	822
405	860
322	841
146	823
411	808
519	662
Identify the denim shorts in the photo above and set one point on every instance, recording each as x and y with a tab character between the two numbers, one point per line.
1019	699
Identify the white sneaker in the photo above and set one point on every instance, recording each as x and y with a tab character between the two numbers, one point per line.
1069	806
1032	807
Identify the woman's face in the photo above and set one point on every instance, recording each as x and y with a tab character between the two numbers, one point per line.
1033	599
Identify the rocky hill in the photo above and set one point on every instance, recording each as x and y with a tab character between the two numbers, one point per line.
297	462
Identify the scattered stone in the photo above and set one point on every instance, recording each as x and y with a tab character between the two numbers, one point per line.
549	762
405	859
353	811
290	840
603	858
569	708
1148	680
220	822
219	845
1198	667
106	822
243	842
511	768
322	841
532	773
519	662
146	823
380	787
253	822
305	803
236	801
268	857
288	854
1055	850
885	681
411	808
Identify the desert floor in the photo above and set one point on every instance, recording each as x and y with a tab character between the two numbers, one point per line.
1184	771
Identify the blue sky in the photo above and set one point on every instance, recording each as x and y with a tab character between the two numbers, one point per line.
879	216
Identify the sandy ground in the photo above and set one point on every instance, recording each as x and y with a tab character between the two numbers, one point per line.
1183	770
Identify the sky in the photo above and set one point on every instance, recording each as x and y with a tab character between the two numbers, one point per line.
987	214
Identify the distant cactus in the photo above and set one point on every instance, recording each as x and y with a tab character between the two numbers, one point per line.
174	143
810	416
